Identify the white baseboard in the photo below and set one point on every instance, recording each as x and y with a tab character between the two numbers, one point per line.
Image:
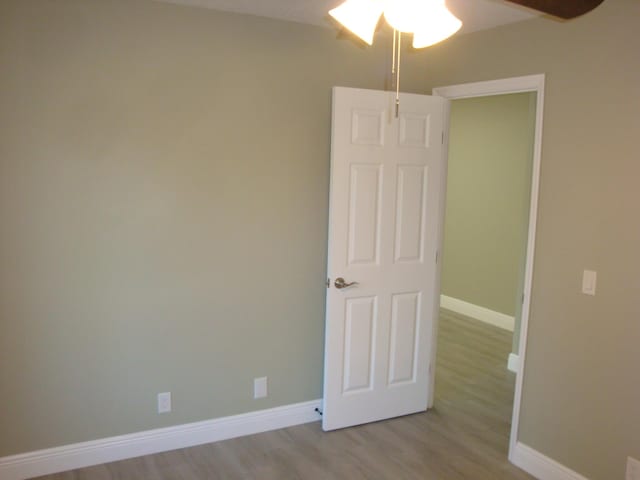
79	455
513	363
492	317
541	466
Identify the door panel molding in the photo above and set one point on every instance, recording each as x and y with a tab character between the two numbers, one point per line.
383	209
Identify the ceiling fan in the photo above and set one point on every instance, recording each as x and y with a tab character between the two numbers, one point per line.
560	8
429	21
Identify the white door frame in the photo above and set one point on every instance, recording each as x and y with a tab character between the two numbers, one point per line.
530	83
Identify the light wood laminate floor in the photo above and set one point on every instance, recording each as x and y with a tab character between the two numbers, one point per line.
465	436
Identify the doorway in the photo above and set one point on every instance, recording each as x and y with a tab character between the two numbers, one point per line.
534	84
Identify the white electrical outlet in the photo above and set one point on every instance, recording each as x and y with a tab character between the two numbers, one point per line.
164	402
260	387
633	469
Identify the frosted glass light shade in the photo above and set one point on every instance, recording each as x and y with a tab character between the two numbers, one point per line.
406	15
438	25
359	16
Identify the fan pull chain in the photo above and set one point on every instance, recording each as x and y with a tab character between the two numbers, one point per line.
393	57
398	74
395	66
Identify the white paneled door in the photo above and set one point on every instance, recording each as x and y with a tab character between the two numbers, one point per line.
384	226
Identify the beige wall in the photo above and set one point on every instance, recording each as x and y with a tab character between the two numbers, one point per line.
488	185
163	212
581	388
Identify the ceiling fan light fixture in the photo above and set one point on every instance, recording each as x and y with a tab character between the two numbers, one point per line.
360	17
429	20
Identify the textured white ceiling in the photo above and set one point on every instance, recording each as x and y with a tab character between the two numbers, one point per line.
475	14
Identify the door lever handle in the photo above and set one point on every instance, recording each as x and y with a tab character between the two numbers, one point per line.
340	283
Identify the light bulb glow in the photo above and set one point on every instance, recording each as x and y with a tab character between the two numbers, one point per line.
359	16
440	24
407	15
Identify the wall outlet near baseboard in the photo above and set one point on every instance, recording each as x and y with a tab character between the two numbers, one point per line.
260	387
164	402
633	469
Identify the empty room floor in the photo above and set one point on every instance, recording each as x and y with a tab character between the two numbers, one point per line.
465	435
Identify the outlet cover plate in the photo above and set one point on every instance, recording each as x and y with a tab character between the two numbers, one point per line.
164	402
260	387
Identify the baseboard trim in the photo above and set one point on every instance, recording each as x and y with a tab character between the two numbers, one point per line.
513	363
79	455
497	319
541	466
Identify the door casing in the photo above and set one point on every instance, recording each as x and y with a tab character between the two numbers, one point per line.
529	83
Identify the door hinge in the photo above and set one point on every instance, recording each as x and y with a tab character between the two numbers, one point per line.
328	282
522	300
437	252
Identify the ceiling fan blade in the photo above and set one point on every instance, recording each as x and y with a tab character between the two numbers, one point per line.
560	8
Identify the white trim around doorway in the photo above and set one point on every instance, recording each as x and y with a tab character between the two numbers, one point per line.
530	83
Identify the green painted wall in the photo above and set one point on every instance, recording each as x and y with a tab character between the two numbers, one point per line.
163	212
488	185
581	394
